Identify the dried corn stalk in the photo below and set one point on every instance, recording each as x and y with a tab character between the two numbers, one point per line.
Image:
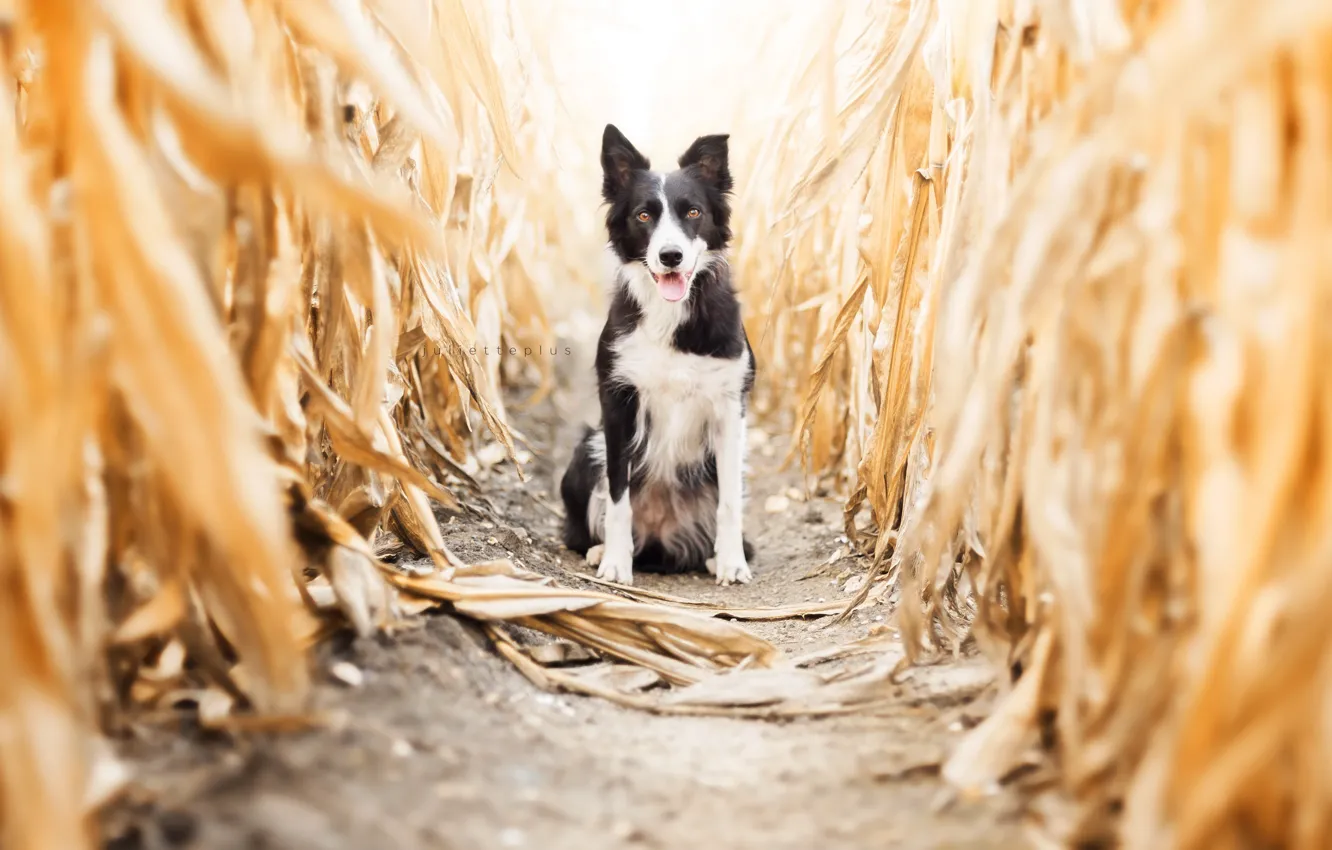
1085	380
247	252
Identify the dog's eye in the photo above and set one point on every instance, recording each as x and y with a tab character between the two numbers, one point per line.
645	216
695	212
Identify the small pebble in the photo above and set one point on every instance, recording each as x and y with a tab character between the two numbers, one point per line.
457	790
626	831
347	673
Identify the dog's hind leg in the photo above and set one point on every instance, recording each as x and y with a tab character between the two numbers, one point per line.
583	500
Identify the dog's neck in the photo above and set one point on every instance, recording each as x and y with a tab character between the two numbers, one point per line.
660	319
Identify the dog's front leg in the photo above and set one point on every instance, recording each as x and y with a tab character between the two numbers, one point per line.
730	543
619	415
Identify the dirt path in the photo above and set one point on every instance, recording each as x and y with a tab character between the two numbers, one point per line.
445	745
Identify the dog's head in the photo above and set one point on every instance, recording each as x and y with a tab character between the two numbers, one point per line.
673	223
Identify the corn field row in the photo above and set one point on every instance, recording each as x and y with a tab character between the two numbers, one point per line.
1060	270
1045	279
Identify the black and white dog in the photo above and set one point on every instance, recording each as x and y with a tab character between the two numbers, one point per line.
661	485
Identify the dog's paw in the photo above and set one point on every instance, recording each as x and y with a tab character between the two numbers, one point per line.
616	567
730	570
593	555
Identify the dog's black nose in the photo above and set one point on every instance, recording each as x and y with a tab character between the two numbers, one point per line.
670	257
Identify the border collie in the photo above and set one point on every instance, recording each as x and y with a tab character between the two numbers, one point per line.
660	486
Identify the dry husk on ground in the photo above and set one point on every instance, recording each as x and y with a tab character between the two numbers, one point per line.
1047	276
1075	363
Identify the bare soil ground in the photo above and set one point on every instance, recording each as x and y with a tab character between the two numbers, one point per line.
446	745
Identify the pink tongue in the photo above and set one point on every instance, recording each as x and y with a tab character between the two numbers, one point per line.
672	286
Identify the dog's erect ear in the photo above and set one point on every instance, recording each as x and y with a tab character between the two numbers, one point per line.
707	155
619	160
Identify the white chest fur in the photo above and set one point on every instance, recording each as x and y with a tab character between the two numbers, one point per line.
681	399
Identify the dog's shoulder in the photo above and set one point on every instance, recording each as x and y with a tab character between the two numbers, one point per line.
622	319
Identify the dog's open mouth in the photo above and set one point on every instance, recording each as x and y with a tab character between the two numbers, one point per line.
672	285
